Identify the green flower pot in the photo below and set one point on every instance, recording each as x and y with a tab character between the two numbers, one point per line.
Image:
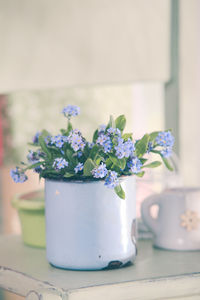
30	207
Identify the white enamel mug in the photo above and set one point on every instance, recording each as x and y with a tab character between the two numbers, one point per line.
177	225
88	227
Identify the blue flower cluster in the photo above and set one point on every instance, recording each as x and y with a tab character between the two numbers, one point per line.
134	165
114	131
166	152
71	110
105	141
102	128
150	147
166	140
59	140
124	149
17	175
60	163
33	157
100	172
36	137
78	168
79	154
76	140
111	180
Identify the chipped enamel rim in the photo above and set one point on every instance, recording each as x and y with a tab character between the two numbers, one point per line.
33	200
88	181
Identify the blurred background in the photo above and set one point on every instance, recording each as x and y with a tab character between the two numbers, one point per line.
134	57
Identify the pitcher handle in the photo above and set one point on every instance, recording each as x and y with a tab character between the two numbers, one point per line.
150	222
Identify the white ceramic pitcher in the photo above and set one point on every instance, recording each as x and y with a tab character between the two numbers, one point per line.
177	226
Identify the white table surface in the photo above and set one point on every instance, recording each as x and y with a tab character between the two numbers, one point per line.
156	274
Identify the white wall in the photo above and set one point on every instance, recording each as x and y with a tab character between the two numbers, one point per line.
47	43
190	90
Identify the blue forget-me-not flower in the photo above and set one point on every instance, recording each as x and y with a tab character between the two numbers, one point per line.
100	172
114	131
102	128
57	140
107	145
33	157
111	180
60	163
105	141
71	110
165	138
134	165
78	168
166	152
124	149
76	140
18	176
36	137
101	139
150	147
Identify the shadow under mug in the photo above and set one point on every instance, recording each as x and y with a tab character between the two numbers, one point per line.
177	225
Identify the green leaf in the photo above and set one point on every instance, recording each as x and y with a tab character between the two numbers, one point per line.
34	165
69	154
86	151
143	160
94	151
122	163
89	165
141	174
95	136
127	136
63	131
115	168
98	160
120	122
108	163
117	164
45	133
68	175
153	135
119	191
113	159
49	173
69	127
154	164
33	144
167	164
111	123
71	158
165	160
44	146
170	129
142	146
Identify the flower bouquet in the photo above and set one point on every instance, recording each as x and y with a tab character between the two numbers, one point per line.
111	154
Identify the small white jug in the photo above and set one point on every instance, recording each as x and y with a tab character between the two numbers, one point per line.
177	226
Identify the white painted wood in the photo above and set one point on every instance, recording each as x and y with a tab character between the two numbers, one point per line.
157	274
156	289
51	44
19	282
45	295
